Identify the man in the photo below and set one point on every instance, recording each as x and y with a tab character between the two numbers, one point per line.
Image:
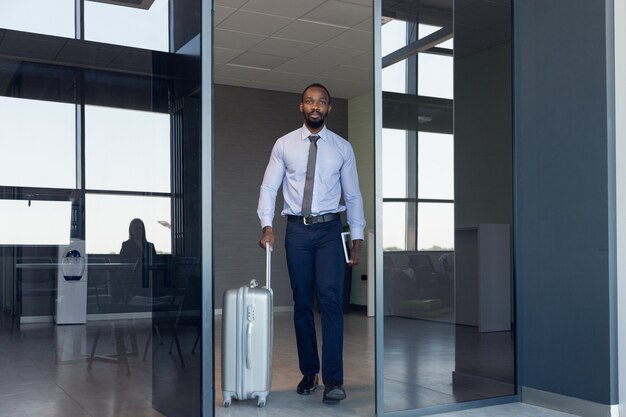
314	158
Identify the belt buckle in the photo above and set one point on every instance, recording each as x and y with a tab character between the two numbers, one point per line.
307	220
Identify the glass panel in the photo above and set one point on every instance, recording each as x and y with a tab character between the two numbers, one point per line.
127	24
435	226
38	140
435	75
425	30
436	166
34	222
77	114
48	17
436	292
393	38
394	163
108	218
127	149
395	226
394	78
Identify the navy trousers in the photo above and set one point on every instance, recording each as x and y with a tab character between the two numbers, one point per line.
316	265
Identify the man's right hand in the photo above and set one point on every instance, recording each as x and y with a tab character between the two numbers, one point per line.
267	236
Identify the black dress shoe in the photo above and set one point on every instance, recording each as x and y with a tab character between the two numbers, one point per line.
308	385
333	392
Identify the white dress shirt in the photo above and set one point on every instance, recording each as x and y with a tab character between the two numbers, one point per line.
335	173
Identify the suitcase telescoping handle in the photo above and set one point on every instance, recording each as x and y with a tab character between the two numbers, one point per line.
268	265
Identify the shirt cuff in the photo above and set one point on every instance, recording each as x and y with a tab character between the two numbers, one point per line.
266	221
356	234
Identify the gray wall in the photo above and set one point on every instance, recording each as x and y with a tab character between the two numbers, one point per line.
560	101
247	122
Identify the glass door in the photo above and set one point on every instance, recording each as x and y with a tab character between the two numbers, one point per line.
100	207
445	207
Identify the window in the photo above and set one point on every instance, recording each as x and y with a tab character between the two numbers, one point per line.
38	142
107	218
48	17
127	150
35	222
128	26
418	161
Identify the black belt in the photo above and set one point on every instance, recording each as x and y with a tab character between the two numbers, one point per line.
313	219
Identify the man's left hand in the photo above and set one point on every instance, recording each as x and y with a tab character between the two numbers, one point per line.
355	252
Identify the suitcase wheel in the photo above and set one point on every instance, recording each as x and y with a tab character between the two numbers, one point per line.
261	403
227	403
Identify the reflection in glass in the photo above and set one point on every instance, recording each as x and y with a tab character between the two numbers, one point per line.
394	226
394	163
24	222
435	226
48	17
435	166
447	281
435	76
129	26
393	38
127	149
38	142
108	216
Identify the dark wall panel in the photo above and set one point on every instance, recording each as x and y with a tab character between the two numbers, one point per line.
561	199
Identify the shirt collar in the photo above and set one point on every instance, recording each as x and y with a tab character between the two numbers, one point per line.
305	133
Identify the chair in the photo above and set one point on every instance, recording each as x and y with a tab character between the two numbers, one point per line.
189	314
99	281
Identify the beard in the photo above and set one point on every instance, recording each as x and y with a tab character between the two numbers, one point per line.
314	123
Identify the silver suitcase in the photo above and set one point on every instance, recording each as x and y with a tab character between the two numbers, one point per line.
247	336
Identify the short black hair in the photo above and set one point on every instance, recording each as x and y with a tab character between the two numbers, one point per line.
317	85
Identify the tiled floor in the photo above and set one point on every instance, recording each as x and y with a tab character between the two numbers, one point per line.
45	372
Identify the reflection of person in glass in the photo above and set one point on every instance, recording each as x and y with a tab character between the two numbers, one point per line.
139	252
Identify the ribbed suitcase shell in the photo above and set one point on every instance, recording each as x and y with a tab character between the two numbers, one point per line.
247	338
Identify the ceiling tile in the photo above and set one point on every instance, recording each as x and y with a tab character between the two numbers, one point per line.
282	47
230	81
308	32
354	40
331	55
88	53
31	45
278	78
345	89
224	55
368	3
221	13
339	13
252	22
235	40
230	3
366	25
238	72
363	61
286	8
269	86
253	59
305	66
354	74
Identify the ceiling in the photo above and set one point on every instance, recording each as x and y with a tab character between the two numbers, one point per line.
287	44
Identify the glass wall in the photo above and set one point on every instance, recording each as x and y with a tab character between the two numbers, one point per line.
100	207
446	203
